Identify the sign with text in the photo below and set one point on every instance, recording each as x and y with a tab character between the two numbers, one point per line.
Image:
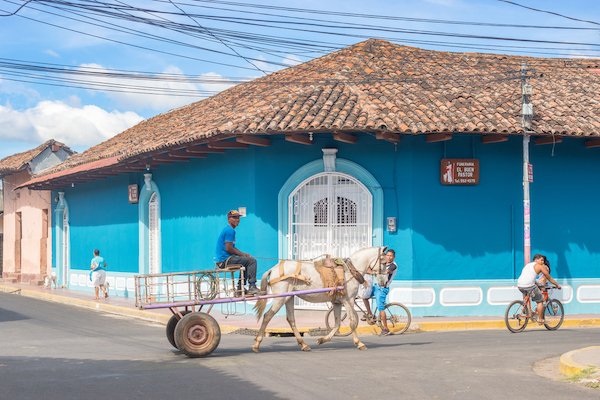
459	171
529	173
133	193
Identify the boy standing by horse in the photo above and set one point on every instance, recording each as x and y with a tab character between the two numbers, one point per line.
381	288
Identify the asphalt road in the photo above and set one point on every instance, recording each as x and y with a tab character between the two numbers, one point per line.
53	351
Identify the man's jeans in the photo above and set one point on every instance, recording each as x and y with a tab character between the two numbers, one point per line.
249	263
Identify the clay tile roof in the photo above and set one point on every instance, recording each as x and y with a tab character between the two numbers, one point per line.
380	86
19	161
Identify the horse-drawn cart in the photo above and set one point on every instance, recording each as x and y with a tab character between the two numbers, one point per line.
191	297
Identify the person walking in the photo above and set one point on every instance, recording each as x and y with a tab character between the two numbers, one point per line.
98	274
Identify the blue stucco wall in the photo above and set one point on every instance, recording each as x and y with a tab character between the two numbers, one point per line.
100	217
444	232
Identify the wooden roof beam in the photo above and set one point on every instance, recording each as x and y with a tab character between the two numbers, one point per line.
203	150
227	145
299	138
590	144
388	137
487	139
253	140
344	137
184	155
438	137
163	159
547	140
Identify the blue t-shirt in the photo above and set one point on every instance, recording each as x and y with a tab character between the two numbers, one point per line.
227	235
99	263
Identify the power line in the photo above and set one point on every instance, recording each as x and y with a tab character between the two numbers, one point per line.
216	37
550	12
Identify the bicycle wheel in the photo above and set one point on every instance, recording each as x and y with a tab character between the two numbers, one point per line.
398	317
554	315
344	322
515	317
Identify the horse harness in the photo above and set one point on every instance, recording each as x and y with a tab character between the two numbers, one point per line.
297	275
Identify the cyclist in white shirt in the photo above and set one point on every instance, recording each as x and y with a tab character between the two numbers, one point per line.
527	282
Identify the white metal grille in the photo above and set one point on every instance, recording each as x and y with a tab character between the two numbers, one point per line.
329	213
153	235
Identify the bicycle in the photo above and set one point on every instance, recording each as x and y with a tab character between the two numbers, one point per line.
398	318
519	312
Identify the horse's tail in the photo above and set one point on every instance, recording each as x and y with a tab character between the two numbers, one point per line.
261	304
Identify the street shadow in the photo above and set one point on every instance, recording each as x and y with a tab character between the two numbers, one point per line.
75	379
7	315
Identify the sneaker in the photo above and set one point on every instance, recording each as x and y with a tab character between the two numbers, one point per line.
252	290
385	332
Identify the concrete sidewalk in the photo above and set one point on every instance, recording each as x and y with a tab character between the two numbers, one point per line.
582	363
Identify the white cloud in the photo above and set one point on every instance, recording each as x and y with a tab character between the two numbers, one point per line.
159	102
75	126
219	85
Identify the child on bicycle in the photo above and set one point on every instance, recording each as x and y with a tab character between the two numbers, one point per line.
527	282
381	287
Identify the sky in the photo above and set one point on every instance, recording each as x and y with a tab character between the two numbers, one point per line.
82	71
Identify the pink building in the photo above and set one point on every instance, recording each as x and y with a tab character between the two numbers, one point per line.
26	218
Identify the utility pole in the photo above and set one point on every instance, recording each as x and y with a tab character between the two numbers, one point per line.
527	116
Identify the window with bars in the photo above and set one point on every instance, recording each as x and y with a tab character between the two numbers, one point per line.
345	211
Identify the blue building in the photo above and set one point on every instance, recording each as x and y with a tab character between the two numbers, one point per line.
376	144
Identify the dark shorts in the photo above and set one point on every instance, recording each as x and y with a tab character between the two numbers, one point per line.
534	293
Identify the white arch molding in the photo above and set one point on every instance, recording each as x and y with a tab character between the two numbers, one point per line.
336	167
149	222
329	213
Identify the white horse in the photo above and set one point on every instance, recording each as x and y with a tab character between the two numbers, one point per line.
292	275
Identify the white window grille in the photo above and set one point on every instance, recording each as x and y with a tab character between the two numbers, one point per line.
153	235
66	246
329	213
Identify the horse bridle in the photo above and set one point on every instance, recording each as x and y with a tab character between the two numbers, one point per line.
357	275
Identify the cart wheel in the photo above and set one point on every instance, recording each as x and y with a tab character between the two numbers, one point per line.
197	334
171	327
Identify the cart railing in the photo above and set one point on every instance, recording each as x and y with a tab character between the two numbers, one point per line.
180	287
206	287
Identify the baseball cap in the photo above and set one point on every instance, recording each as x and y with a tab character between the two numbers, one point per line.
233	214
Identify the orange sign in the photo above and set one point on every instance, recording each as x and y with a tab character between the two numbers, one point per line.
458	171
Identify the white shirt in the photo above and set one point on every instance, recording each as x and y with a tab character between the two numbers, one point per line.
528	275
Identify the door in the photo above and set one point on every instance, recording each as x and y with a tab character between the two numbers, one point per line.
18	240
329	213
44	243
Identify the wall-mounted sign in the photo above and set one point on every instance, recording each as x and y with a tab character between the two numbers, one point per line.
458	171
529	172
133	193
391	224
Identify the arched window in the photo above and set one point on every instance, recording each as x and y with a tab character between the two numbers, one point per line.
153	235
329	213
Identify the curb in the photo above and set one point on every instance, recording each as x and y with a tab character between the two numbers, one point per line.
569	367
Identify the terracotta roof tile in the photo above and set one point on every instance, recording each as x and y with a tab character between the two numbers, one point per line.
17	162
377	85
